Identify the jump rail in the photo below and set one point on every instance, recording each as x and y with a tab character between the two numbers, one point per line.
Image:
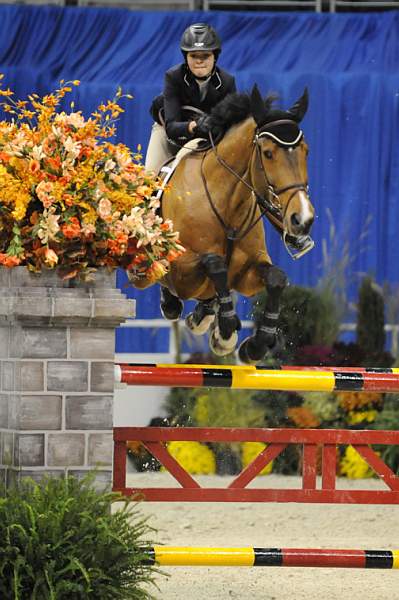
272	557
305	379
311	440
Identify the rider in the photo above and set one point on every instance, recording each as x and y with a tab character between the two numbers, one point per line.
191	89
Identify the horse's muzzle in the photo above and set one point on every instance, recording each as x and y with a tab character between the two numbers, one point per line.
299	225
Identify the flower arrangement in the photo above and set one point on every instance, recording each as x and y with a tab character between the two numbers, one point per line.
70	198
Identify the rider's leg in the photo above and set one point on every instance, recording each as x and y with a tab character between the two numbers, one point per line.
159	150
171	306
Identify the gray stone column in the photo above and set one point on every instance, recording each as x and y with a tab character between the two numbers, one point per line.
57	345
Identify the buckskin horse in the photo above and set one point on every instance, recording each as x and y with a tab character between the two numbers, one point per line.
216	200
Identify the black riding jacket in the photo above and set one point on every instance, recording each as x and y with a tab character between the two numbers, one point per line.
182	89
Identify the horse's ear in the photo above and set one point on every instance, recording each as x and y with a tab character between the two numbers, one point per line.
258	108
298	110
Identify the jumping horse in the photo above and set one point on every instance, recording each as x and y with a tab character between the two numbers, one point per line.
216	200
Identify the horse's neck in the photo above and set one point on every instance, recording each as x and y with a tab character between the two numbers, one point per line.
236	150
236	147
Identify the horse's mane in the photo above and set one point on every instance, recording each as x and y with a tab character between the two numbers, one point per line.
233	109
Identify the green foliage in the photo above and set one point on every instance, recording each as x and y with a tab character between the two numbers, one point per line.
227	408
275	406
370	318
179	406
59	541
325	406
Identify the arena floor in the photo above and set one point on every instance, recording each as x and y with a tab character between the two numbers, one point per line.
274	525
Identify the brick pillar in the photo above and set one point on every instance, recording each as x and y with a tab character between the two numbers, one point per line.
57	345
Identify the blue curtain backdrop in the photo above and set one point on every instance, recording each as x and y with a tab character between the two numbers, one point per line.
348	61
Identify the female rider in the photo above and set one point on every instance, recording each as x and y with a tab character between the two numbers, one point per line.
191	89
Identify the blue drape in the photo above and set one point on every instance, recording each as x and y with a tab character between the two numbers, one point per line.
348	61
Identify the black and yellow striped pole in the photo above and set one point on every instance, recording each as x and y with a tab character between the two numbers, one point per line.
188	556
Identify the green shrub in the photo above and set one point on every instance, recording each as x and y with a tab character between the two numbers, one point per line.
60	541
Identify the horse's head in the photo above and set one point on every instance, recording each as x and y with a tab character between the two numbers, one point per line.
279	166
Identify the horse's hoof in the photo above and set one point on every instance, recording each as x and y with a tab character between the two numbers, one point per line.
220	346
172	309
244	356
201	327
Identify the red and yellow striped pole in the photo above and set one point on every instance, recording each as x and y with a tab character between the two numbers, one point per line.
272	557
259	378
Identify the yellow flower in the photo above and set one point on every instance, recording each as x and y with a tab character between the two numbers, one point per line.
249	451
194	457
354	417
353	466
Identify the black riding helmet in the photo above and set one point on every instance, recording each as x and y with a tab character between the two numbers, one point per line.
200	36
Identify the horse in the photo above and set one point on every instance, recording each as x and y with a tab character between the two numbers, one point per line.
216	200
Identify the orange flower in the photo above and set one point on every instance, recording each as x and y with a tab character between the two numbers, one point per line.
4	157
68	199
156	271
173	255
34	166
118	245
303	417
9	261
50	257
350	401
49	145
71	229
54	163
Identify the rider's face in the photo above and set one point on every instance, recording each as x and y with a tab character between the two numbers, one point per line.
200	63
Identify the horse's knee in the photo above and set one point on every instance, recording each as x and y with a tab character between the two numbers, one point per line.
275	279
215	267
213	263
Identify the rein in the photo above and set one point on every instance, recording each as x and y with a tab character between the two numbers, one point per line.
234	234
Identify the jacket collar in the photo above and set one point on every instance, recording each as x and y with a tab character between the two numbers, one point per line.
189	78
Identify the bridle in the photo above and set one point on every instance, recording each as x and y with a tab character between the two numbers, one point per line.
305	241
273	209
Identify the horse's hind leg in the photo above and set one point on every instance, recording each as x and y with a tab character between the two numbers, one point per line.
171	306
254	348
202	316
224	335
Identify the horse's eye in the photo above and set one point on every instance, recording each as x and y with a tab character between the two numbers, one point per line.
268	154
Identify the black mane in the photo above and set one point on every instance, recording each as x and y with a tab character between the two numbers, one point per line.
233	109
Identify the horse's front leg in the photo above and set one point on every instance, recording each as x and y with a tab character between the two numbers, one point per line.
254	348
223	339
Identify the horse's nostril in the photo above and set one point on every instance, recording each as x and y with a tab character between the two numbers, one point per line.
296	220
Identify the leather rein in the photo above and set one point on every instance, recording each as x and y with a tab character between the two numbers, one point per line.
272	208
